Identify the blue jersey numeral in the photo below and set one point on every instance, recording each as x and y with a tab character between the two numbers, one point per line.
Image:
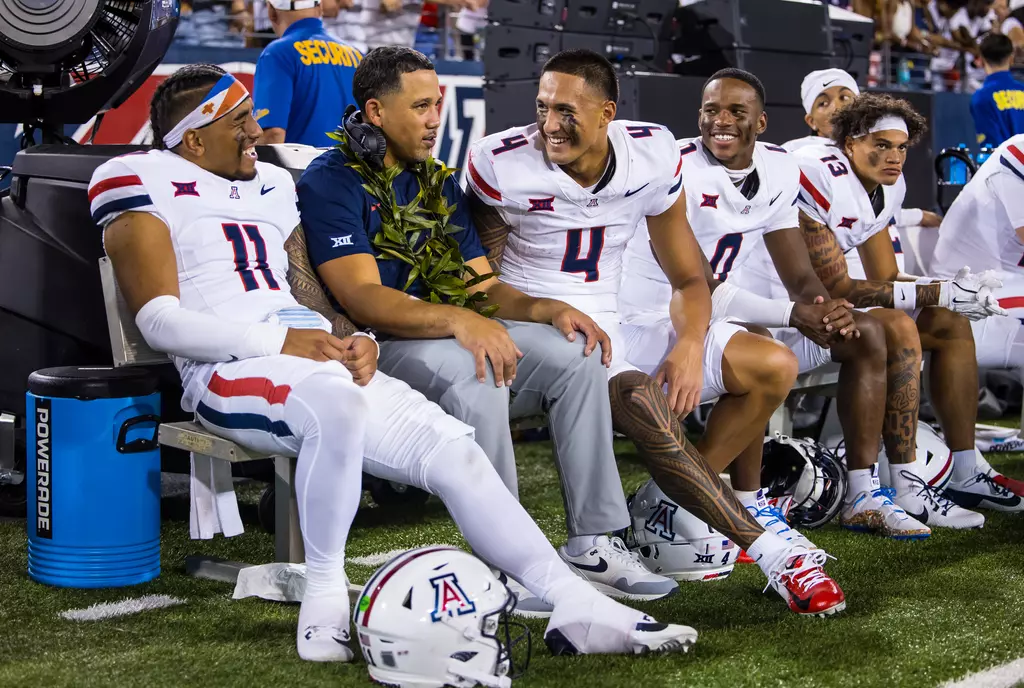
572	262
233	233
725	255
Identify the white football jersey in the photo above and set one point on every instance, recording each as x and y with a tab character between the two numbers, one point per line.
980	228
805	141
566	242
832	195
728	225
228	236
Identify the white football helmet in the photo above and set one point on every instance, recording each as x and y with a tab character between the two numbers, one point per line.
934	459
809	472
432	616
673	542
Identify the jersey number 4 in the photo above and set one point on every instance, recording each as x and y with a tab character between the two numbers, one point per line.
234	234
725	255
572	262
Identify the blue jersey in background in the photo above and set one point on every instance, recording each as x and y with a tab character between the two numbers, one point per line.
998	109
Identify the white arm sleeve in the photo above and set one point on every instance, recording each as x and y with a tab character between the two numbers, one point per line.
169	328
730	301
909	217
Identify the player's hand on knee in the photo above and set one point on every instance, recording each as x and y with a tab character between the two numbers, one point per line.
683	372
824	320
569	321
360	358
313	344
488	340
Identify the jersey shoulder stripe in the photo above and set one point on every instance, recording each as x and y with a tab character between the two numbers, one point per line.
818	197
481	183
776	149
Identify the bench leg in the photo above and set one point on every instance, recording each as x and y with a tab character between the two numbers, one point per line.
782	420
287	536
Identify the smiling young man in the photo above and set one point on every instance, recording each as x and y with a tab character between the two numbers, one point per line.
850	191
557	201
543	353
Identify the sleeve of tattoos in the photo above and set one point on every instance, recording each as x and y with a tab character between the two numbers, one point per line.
306	287
641	412
830	264
490	226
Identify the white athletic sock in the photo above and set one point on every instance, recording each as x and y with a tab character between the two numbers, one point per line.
578	544
965	465
861	480
765	550
495	525
901	482
328	413
754	499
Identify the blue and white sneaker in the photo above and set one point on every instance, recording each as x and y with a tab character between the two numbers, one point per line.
770	517
875	512
617	572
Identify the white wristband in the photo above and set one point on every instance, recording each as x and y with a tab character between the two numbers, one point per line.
904	296
732	302
945	294
372	338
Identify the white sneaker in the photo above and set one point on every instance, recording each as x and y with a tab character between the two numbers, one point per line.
598	625
528	605
322	634
875	512
928	505
981	491
617	572
770	517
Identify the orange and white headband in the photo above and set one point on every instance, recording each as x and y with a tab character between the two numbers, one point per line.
227	94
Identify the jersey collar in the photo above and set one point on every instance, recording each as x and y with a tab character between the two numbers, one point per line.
307	25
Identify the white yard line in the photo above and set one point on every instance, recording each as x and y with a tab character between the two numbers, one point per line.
381	557
1003	676
109	610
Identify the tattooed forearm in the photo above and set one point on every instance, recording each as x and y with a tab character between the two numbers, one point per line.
306	287
826	256
901	405
490	227
641	412
928	294
867	293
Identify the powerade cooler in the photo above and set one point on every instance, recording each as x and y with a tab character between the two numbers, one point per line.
93	477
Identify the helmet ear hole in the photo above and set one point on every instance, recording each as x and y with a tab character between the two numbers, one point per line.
407	602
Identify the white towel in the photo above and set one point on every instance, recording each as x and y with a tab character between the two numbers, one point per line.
214	508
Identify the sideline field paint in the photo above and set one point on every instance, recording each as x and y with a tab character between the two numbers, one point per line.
1002	676
109	610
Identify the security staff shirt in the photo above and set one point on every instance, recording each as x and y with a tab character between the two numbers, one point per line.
303	83
340	218
998	109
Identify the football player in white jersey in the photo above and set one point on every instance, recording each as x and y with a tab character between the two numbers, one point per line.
196	230
741	197
559	200
850	192
984	228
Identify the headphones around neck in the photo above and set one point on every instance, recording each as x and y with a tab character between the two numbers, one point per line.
366	140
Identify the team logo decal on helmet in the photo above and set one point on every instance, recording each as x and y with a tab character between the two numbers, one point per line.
660	523
449	597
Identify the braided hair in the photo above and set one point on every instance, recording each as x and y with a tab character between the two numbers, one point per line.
866	109
177	95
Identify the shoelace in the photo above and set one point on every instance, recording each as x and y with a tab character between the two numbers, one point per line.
997	489
774	513
619	552
936	500
809	560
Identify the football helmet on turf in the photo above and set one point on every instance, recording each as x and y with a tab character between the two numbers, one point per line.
437	616
673	542
934	459
808	471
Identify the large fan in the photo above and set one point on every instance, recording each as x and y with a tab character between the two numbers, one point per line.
63	61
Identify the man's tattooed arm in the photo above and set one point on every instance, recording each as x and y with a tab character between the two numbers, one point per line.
306	287
640	411
830	265
491	228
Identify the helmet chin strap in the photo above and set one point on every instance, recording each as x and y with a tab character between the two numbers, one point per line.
457	668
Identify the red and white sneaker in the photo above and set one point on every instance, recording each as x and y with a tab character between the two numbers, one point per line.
1009	484
800	579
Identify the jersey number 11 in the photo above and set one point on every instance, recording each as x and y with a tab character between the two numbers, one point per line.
233	233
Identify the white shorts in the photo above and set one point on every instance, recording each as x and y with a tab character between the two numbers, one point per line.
648	337
808	354
243	401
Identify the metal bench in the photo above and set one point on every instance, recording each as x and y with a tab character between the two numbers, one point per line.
823	381
130	349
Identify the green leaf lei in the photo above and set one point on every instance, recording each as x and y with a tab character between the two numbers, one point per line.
437	262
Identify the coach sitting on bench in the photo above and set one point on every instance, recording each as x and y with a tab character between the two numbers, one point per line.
384	223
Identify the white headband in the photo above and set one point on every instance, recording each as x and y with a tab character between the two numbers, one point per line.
887	123
227	94
815	83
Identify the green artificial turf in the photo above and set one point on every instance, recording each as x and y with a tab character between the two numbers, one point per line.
918	613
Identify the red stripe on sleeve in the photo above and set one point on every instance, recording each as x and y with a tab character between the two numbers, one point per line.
113	183
483	185
1012	301
1017	154
249	387
815	194
679	166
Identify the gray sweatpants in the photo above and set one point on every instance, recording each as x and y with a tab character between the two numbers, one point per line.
552	377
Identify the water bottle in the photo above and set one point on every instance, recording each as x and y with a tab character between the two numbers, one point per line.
984	154
903	73
957	168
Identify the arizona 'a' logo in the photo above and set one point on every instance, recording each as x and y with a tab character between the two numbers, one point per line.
847	222
709	201
184	189
660	522
234	192
449	597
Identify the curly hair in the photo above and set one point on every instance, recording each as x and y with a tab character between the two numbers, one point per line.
177	95
859	116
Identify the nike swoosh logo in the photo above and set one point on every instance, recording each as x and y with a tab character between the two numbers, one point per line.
340	641
804	603
825	85
775	199
264	190
922	517
233	358
630	193
600	567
